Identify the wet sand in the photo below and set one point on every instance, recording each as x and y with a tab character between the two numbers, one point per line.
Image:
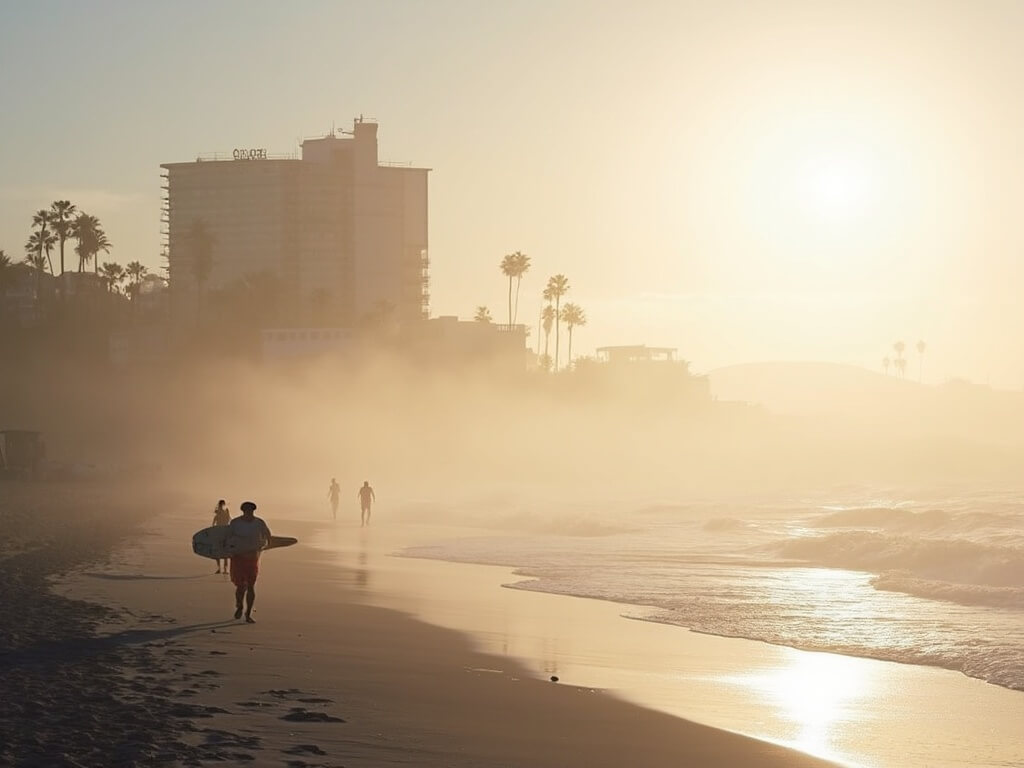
324	679
134	659
851	710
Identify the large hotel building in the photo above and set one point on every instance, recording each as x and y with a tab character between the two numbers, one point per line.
345	234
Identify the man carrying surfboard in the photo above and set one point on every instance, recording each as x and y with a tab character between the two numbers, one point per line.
247	536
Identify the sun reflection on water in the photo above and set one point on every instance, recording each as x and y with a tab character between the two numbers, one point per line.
818	694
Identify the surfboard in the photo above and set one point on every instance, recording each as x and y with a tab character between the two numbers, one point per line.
212	542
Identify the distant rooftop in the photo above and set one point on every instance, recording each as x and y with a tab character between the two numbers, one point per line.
364	129
630	353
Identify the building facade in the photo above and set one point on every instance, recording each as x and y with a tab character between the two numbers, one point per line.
344	235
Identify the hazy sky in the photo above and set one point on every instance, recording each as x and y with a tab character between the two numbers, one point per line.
745	181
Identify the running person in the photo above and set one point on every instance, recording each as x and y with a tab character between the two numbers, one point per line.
366	498
247	536
221	516
334	493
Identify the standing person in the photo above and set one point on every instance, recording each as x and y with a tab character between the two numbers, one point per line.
366	498
334	493
221	516
247	536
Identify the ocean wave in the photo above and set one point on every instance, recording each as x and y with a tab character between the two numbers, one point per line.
1001	665
907	520
964	594
995	660
958	561
942	587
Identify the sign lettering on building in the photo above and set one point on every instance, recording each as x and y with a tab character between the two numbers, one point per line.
249	154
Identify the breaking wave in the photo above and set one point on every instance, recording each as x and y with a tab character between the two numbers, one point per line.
935	586
958	561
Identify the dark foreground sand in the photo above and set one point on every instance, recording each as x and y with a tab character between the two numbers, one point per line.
68	694
163	676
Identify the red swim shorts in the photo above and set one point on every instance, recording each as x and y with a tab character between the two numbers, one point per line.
244	570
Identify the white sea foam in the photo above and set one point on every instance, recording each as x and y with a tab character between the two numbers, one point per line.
937	584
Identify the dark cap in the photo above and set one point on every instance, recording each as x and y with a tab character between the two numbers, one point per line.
248	506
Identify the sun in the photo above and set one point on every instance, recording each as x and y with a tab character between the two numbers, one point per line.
834	184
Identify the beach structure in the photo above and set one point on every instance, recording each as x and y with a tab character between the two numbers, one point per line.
449	341
653	375
443	341
343	233
636	353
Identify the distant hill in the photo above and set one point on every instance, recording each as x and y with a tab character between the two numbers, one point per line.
801	387
838	395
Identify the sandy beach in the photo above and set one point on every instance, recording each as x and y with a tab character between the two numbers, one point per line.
362	658
137	662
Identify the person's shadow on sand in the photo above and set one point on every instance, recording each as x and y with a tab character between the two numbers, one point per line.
140	576
74	649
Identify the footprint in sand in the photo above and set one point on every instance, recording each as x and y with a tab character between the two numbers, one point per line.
304	749
303	715
192	710
283	693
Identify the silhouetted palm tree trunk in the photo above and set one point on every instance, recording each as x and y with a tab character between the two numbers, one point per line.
510	299
515	308
558	326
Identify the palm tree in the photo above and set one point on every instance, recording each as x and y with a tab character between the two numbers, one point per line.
508	268
901	366
45	239
921	347
885	364
483	315
201	247
101	244
522	262
90	236
573	316
136	273
40	243
113	274
548	319
558	286
900	363
514	265
5	270
60	216
38	263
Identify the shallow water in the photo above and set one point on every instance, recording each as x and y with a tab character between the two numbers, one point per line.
851	710
937	582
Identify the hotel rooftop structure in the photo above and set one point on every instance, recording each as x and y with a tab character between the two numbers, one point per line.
345	234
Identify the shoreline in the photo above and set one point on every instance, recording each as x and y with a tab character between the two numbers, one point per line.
325	675
871	712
